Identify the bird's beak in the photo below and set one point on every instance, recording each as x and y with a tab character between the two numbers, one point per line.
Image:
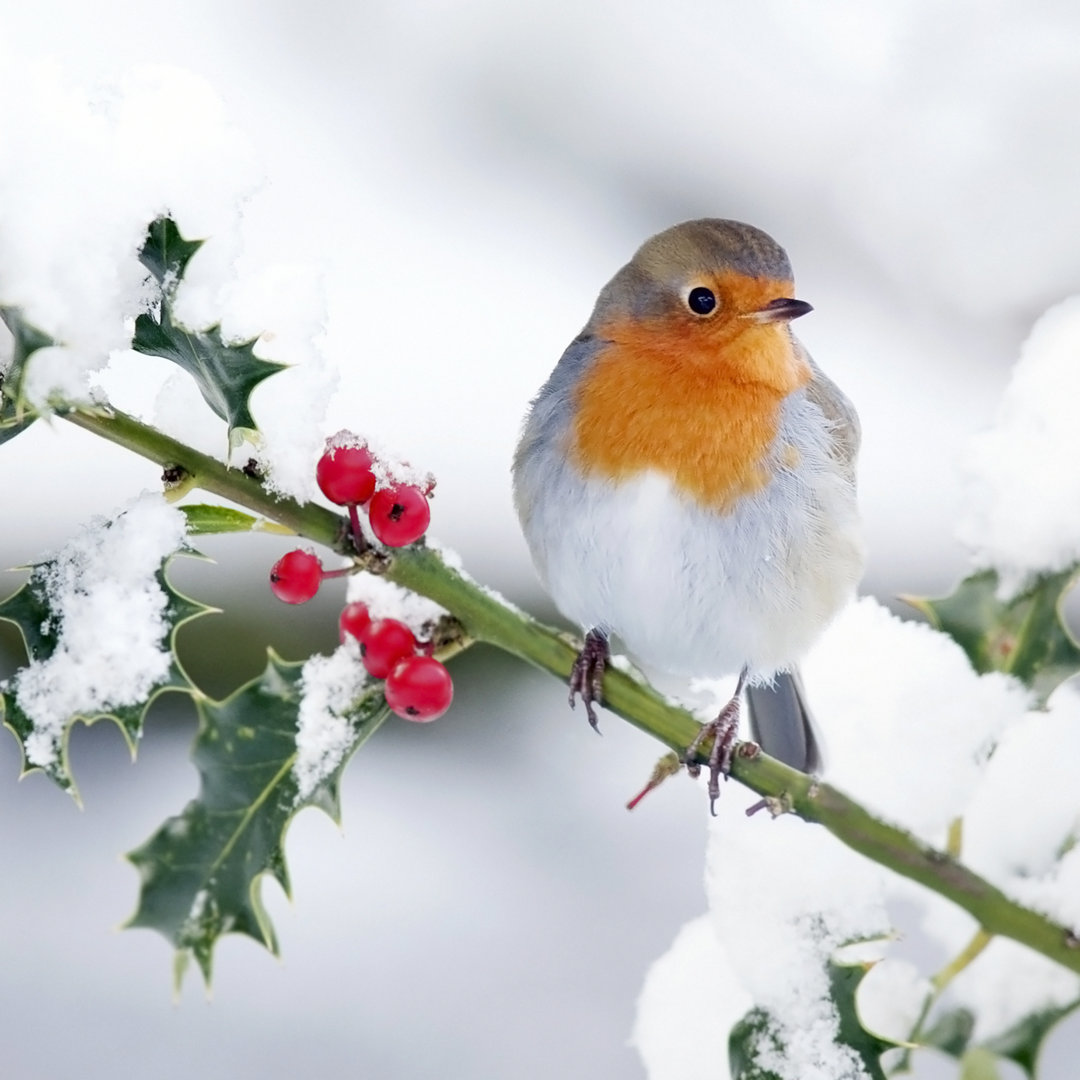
782	310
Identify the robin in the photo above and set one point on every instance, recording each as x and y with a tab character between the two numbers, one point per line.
685	480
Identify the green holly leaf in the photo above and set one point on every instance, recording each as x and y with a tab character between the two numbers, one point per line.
15	414
844	980
202	871
1025	636
16	427
757	1031
951	1032
754	1032
42	632
1023	1042
205	518
226	374
166	253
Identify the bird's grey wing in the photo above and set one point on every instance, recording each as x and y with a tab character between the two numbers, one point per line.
838	410
541	464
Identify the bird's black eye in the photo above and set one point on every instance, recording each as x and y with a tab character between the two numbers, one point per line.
700	300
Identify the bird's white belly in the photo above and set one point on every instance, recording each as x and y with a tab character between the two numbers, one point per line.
693	591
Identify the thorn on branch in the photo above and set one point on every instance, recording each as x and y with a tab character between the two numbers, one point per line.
775	804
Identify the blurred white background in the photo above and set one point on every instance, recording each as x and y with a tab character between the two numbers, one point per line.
466	176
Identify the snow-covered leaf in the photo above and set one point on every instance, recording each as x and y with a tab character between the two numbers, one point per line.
844	981
15	414
757	1032
97	647
1024	636
202	870
744	1043
225	373
166	253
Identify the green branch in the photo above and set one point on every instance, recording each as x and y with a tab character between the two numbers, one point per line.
485	617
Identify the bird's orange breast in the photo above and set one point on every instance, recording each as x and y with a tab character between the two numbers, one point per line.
699	406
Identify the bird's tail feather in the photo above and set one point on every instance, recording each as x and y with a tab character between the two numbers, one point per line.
781	723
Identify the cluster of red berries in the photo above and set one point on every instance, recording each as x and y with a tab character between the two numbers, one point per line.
399	513
418	686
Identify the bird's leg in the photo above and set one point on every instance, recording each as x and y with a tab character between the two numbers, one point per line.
587	674
723	731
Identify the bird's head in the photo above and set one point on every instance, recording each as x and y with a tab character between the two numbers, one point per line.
710	292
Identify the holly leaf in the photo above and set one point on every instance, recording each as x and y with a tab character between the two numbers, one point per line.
757	1030
16	427
201	872
844	982
166	253
748	1037
1025	636
15	414
45	748
951	1032
225	373
206	518
1023	1042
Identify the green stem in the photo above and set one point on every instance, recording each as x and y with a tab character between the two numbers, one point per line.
315	522
938	985
486	617
971	951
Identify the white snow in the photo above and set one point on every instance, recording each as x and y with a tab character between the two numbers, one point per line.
907	723
81	177
1021	827
284	305
915	734
82	174
109	618
330	686
690	992
390	470
387	600
783	897
1008	982
890	998
1023	507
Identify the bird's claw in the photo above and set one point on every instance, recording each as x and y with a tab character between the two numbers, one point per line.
587	674
722	752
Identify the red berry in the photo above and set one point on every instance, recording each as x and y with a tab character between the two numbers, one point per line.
296	577
383	643
352	620
419	689
399	515
345	476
